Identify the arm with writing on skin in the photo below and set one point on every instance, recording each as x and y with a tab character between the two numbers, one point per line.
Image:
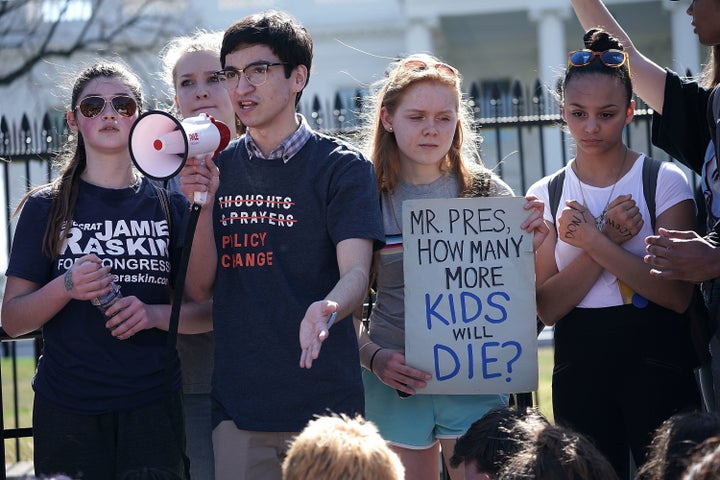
27	305
558	292
631	268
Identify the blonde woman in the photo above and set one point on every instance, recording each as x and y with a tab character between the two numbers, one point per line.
190	70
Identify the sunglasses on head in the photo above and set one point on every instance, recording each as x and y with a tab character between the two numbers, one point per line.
419	65
93	106
609	58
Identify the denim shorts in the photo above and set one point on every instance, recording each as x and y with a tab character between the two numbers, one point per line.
418	421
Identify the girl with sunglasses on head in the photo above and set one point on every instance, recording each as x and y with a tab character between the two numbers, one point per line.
681	124
422	144
190	65
623	355
107	390
684	123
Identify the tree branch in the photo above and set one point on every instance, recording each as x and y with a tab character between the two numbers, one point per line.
110	27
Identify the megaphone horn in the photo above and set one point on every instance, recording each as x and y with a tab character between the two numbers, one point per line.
160	144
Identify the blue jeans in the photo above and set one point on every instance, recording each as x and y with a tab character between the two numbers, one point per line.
198	430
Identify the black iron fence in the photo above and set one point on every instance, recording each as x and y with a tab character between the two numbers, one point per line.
12	400
519	127
521	140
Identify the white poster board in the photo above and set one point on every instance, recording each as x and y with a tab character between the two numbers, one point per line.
470	317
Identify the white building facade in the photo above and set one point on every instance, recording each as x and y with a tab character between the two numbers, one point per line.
493	43
489	41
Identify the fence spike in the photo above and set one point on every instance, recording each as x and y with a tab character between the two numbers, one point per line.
4	135
517	98
338	111
358	101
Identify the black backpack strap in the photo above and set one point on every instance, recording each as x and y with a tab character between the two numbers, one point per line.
555	187
651	168
713	108
164	203
164	199
170	346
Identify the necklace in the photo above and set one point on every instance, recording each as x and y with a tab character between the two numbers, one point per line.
600	219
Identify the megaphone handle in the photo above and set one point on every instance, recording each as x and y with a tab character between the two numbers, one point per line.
199	198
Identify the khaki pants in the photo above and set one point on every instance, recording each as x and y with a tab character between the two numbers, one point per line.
247	455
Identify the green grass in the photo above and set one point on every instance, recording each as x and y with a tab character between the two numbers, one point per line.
543	397
26	368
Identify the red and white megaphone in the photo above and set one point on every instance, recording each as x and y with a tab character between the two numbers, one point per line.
160	144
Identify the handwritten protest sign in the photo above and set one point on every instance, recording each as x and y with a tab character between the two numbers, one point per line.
470	316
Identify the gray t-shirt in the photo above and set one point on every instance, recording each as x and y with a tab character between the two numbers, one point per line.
387	320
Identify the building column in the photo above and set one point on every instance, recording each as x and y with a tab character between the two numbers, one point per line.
685	45
419	35
552	59
551	35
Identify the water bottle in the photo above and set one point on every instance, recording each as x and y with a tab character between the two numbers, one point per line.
104	302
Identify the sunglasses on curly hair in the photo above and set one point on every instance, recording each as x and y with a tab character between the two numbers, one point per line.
610	58
419	65
93	106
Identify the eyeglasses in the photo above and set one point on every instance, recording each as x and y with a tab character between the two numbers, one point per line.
419	65
609	58
93	106
255	74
